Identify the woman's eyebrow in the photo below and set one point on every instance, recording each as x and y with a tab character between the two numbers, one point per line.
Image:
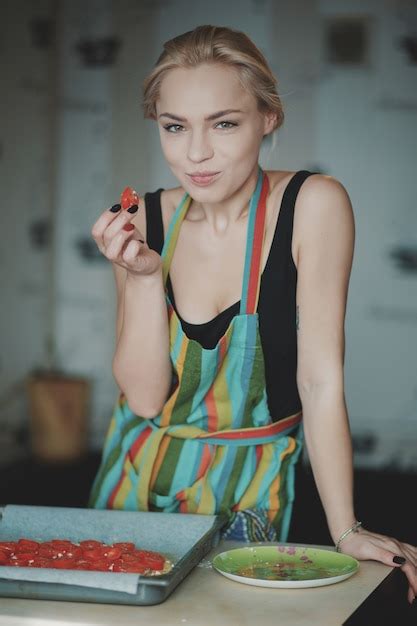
213	116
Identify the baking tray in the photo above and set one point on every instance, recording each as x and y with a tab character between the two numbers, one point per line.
184	538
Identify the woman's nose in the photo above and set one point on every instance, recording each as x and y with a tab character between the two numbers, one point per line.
199	147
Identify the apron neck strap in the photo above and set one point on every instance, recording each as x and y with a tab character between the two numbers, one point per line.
172	235
254	242
254	245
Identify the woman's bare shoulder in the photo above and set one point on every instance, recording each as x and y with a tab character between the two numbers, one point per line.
320	194
323	207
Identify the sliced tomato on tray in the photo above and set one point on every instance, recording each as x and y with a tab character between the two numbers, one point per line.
89	554
125	546
27	545
7	546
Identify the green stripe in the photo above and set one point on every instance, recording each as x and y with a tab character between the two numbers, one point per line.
112	458
190	381
162	485
235	475
256	385
282	494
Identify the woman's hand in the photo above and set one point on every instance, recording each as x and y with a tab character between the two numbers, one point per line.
122	243
366	545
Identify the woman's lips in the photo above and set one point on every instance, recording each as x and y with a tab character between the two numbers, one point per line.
202	181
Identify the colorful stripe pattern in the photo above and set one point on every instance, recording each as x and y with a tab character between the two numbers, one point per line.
214	447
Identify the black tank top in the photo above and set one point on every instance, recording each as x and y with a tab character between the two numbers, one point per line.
276	305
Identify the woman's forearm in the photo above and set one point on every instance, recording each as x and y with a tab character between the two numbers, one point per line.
141	363
329	446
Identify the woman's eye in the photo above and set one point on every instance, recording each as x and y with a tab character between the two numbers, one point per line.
168	127
173	128
231	124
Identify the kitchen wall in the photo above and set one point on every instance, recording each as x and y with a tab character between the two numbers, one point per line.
72	136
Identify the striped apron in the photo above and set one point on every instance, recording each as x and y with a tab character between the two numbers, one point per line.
214	447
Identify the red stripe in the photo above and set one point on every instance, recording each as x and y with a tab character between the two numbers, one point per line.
205	461
134	449
131	453
258	454
183	502
213	419
222	348
249	433
258	236
115	490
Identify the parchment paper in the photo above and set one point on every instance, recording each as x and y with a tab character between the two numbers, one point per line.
173	534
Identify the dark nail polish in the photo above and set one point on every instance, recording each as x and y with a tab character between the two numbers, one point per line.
141	240
400	560
115	208
133	208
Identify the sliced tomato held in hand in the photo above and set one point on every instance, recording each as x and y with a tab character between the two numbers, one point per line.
128	198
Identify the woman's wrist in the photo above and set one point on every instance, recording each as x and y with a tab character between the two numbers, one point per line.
153	278
354	528
337	528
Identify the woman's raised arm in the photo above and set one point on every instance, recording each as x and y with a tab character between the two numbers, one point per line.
141	363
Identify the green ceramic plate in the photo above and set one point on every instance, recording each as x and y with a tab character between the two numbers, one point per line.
285	566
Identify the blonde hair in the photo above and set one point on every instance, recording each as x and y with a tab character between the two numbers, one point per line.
221	45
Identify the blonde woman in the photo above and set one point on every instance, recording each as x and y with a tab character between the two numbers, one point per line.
232	293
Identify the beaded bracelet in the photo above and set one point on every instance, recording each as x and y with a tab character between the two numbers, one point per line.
352	529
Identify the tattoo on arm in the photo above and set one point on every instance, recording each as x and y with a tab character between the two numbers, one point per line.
297	318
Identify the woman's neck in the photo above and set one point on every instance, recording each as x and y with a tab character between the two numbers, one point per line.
219	216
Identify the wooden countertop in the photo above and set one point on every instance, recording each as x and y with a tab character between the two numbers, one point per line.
207	598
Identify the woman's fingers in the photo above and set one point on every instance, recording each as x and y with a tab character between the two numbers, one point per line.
410	571
103	222
109	226
109	216
117	245
367	545
131	251
121	242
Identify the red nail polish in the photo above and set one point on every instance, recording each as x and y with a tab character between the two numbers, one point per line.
128	227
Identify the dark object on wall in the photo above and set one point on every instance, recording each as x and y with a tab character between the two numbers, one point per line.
405	258
88	250
408	43
364	444
98	52
40	233
42	32
58	406
346	40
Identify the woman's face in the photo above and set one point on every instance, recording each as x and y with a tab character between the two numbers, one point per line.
228	144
